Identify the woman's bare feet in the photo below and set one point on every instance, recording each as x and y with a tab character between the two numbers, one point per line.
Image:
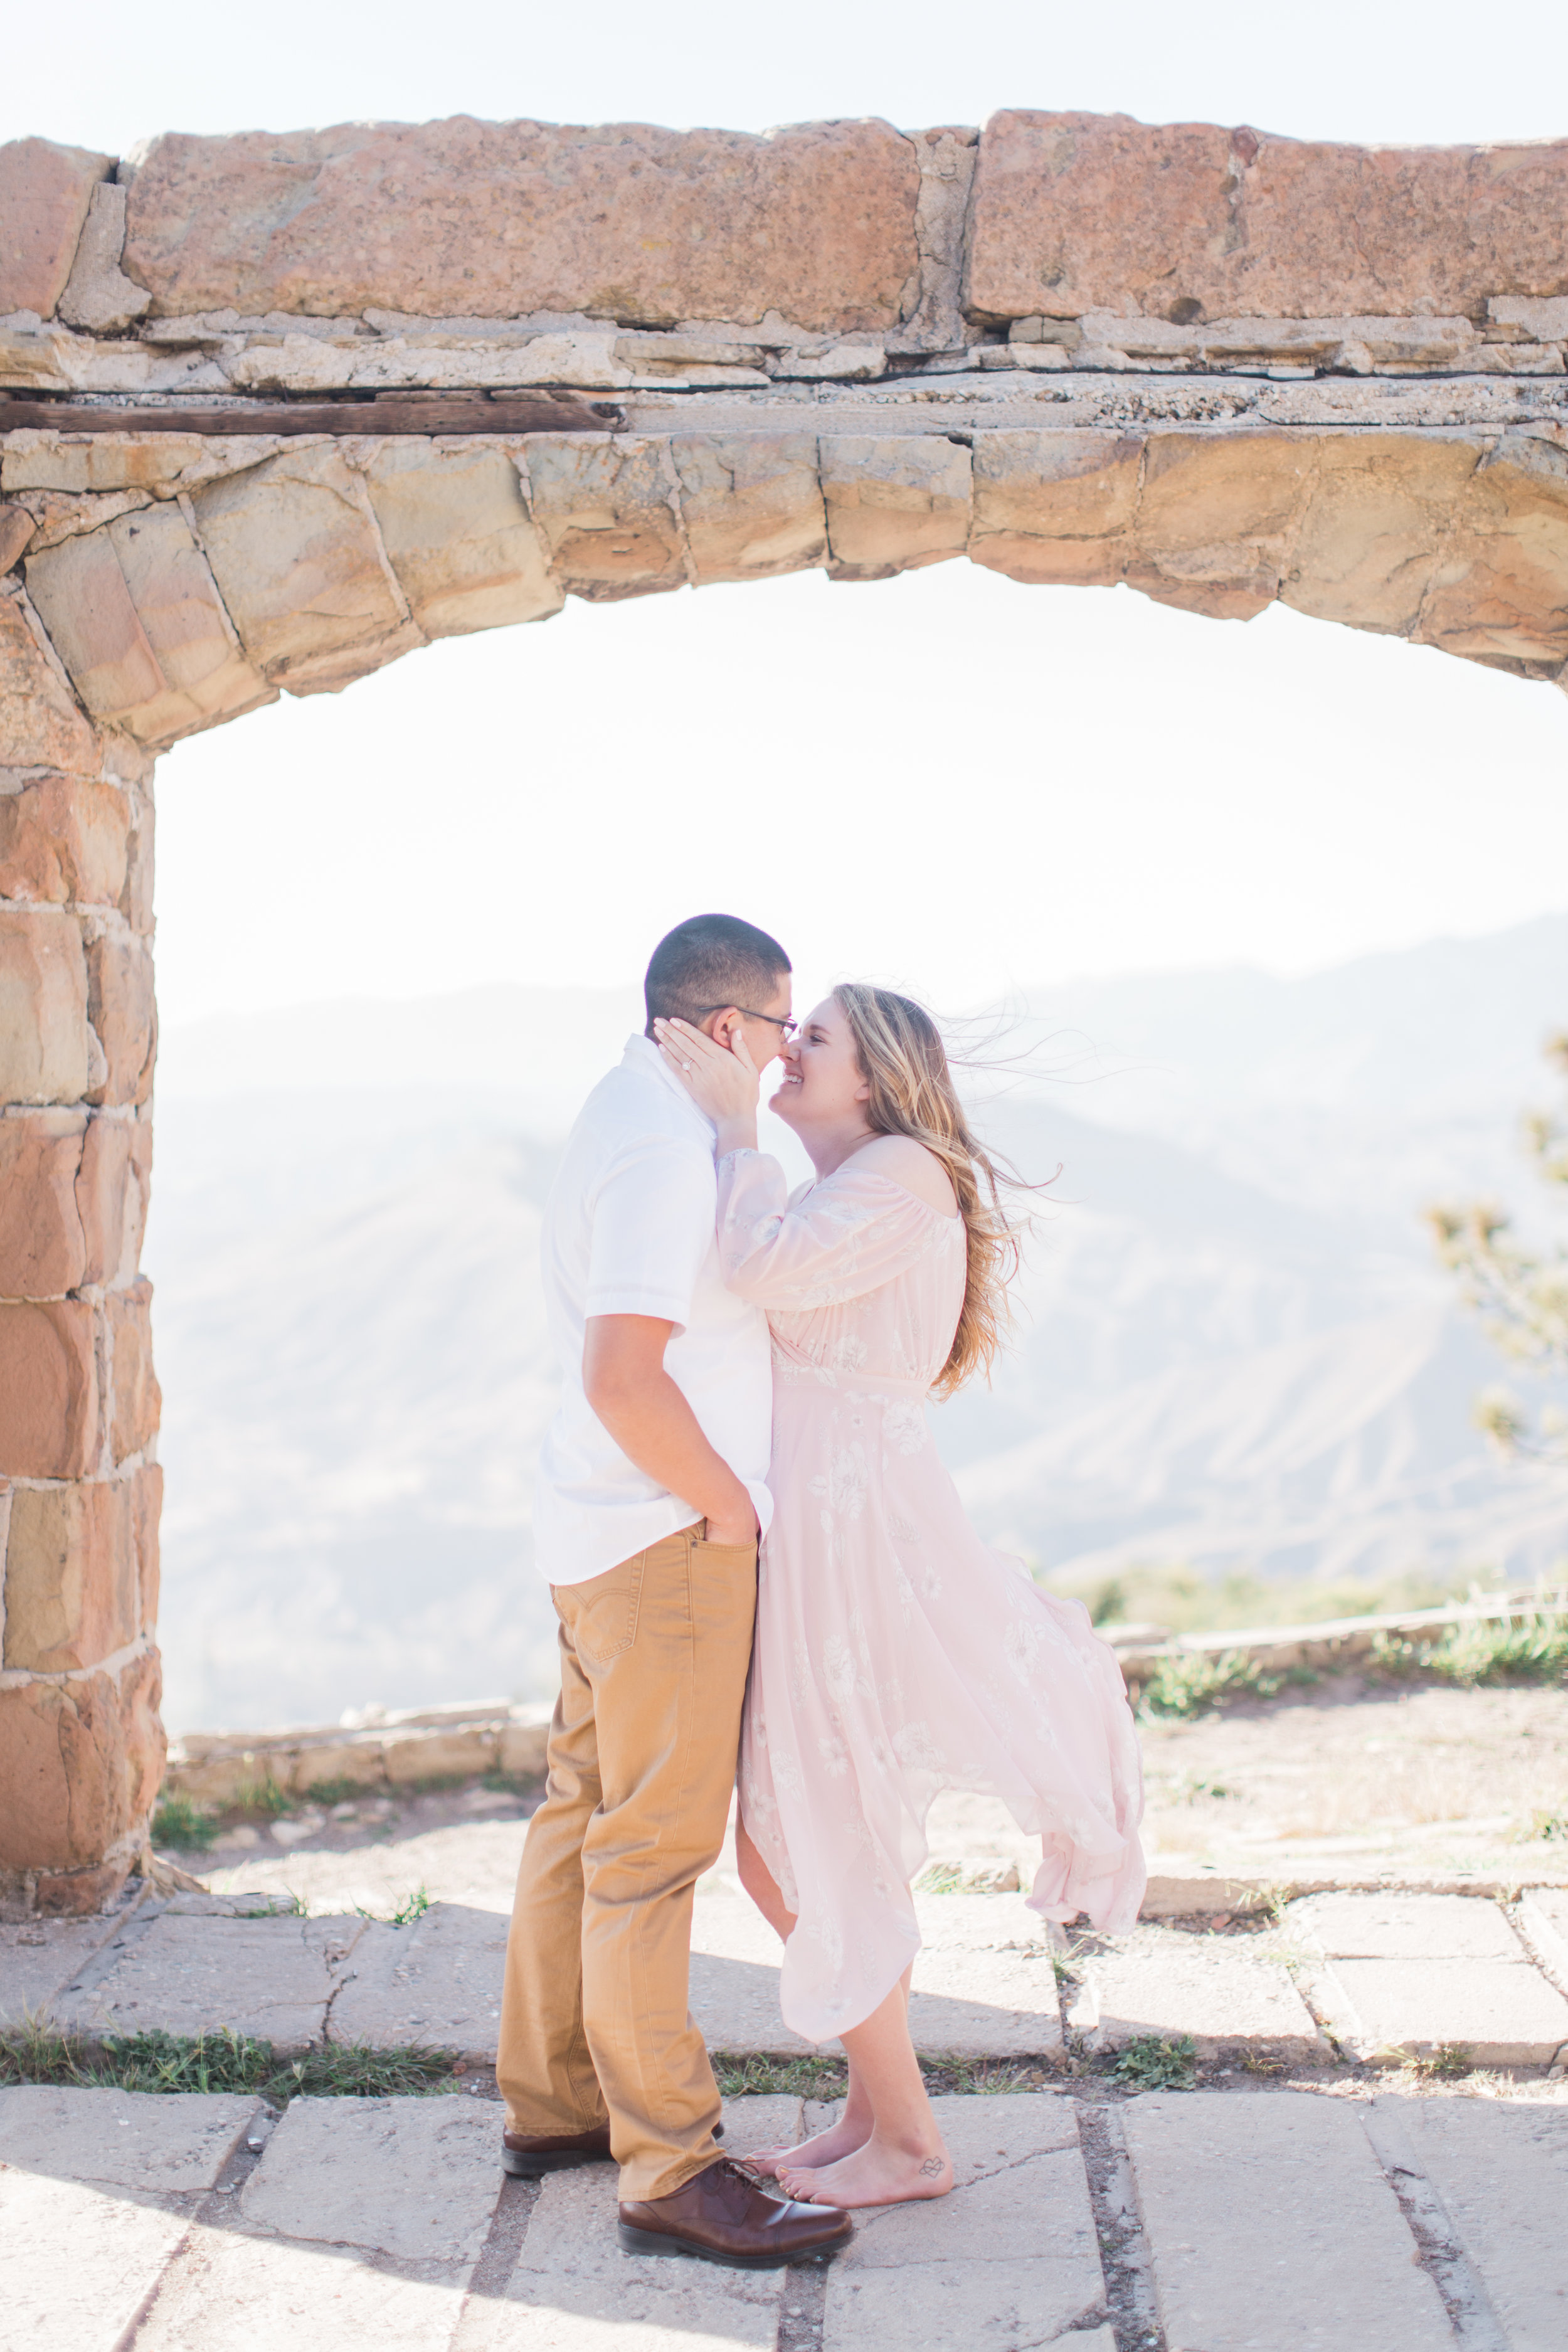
875	2174
840	2139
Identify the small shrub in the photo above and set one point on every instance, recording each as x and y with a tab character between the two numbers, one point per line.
1152	2064
1542	1826
180	1822
335	1792
1528	1648
263	1797
1186	1683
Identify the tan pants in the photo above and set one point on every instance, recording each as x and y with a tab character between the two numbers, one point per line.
593	2022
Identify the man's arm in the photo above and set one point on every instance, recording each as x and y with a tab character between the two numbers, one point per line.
626	1383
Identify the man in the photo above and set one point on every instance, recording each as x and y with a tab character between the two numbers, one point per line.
651	1500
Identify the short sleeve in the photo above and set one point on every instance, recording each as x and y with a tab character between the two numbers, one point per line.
653	1226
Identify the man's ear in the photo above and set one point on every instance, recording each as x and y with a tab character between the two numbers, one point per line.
721	1026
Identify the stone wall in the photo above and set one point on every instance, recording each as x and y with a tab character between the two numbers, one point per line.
259	432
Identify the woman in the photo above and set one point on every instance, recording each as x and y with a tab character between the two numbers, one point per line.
896	1654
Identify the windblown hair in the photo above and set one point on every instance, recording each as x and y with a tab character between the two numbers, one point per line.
904	1062
711	960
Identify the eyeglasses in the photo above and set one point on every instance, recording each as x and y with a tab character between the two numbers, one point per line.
786	1028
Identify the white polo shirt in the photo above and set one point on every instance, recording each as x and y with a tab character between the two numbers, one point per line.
630	1229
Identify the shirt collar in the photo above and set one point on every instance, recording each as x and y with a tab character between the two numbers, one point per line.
643	1054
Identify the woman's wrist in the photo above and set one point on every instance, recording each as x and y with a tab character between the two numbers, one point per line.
737	1134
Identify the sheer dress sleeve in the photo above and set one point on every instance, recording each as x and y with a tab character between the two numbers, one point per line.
845	1237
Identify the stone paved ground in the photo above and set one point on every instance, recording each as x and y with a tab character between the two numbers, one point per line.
1214	2221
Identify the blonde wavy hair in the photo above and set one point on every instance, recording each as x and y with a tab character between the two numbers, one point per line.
904	1062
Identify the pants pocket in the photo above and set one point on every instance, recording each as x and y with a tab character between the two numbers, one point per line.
601	1615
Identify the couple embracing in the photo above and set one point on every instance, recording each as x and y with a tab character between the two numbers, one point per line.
764	1577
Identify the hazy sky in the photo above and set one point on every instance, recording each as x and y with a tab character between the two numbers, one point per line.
948	779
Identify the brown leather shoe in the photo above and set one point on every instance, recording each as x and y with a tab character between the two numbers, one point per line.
527	2160
722	2216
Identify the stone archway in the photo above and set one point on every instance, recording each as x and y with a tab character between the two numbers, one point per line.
275	411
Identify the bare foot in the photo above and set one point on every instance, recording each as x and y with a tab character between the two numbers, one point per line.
840	2139
874	2174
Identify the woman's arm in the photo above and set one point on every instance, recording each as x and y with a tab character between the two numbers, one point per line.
850	1234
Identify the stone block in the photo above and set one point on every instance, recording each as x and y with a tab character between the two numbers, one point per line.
39	1956
63	838
73	1588
146	1509
415	2178
16	529
1215	517
122	1009
135	1398
607	512
1543	1914
413	1756
524	1749
48	1389
985	2306
267	1978
81	1762
1055	506
985	1984
1404	1927
1075	212
626	221
1500	2013
44	1044
294	549
43	1251
176	600
1502	2171
1221	1989
98	296
168	2142
1500	593
1019	2195
45	193
83	602
81	2263
573	2290
40	726
436	1981
894	503
97	461
1271	2221
459	536
231	2292
112	1194
751	503
1378	516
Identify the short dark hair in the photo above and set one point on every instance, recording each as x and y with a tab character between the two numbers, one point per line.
711	960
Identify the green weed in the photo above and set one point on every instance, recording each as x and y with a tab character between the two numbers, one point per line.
413	1906
336	1792
1541	1826
263	1797
1528	1648
222	2061
1189	1684
180	1821
797	2078
1153	2064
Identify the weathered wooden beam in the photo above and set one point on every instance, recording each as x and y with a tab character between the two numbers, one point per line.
536	412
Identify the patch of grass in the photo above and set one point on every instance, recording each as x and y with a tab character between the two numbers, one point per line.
1152	2064
336	1792
512	1784
180	1821
219	2061
797	2078
987	2077
263	1797
1528	1648
413	1906
1185	1686
278	1907
940	1878
1543	1826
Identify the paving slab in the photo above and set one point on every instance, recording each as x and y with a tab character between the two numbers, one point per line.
1009	2259
438	1981
1502	2171
1352	1926
573	2290
268	1978
40	1958
416	2178
1544	1914
1501	2012
1271	2224
1223	1991
228	2291
166	2142
79	2261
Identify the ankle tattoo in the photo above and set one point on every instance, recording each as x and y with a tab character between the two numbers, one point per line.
931	2167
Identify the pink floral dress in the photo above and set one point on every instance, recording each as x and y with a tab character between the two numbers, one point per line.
897	1655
